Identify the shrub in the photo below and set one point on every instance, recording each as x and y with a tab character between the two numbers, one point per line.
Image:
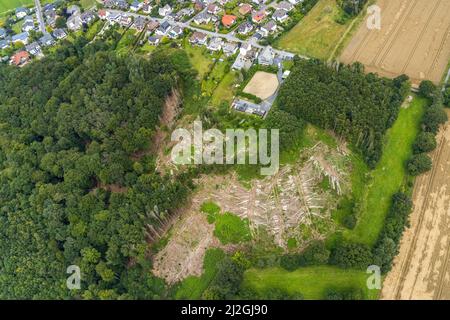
425	142
426	89
418	164
351	255
350	221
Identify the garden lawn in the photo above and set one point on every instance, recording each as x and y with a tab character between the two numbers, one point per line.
316	34
388	176
311	282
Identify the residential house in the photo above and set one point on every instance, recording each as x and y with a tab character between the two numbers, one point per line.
20	58
213	9
46	40
147	8
215	44
125	20
228	20
259	16
175	32
152	25
185	12
245	9
2	33
4	44
230	48
199	6
103	14
154	40
136	6
163	29
74	23
295	2
21	12
28	26
87	17
21	37
113	17
59	34
285	5
50	18
198	38
139	23
280	15
266	57
164	11
73	10
245	28
34	49
245	47
259	2
202	18
269	28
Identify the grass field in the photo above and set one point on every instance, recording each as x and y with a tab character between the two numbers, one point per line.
7	5
225	90
311	282
193	287
389	175
199	60
317	34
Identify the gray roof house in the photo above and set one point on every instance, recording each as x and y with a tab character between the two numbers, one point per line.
46	40
154	40
230	48
285	5
175	32
245	28
280	15
21	37
4	44
266	56
21	12
163	29
87	17
34	48
215	44
74	23
59	34
268	28
27	26
2	33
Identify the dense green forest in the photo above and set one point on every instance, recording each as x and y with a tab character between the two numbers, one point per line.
71	191
352	7
342	98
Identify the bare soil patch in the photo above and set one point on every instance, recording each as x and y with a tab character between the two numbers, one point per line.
414	39
422	268
263	85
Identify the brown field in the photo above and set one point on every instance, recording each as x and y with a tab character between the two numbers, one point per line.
413	40
422	269
263	85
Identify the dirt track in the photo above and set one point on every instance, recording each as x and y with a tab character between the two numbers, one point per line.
414	39
422	269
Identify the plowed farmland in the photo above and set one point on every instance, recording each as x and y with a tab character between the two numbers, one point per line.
422	269
414	39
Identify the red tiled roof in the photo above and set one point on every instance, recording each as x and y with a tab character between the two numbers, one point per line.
228	20
20	57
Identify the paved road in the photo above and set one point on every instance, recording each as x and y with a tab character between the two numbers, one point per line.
39	16
229	36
